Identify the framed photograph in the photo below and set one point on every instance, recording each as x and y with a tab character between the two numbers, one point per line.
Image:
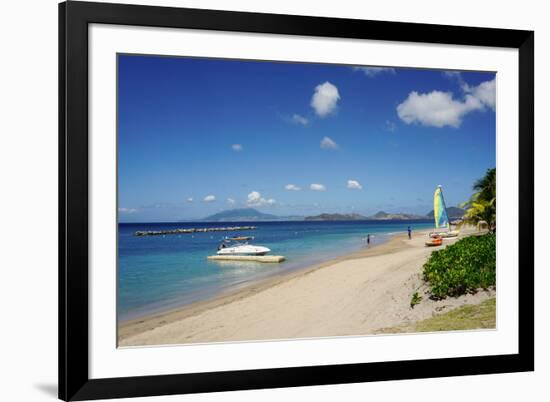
258	201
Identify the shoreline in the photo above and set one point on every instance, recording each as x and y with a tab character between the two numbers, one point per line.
233	309
133	325
242	286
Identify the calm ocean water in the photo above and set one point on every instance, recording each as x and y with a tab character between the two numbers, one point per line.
156	273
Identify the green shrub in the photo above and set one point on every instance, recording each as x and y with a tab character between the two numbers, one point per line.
463	267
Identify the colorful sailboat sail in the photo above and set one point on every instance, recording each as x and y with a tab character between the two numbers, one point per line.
440	210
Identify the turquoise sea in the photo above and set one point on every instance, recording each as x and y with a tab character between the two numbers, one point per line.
156	273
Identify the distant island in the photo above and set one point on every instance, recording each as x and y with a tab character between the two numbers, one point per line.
253	215
452	213
379	216
384	216
336	217
247	215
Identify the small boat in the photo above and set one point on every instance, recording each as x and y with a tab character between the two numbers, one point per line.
445	235
240	246
434	241
442	226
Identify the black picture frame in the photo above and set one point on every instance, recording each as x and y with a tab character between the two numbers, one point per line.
74	381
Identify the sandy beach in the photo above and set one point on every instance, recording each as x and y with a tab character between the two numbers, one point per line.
358	294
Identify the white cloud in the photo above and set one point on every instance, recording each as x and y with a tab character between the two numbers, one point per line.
391	126
439	109
325	99
299	119
374	71
453	75
231	201
190	199
127	210
328	143
317	187
292	187
354	185
255	199
485	92
210	198
237	147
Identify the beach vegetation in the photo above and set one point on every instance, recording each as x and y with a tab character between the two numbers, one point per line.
482	205
415	299
475	316
463	267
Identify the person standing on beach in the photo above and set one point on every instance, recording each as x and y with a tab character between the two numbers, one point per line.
368	239
409	230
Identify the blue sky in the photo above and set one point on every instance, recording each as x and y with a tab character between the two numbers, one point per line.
198	136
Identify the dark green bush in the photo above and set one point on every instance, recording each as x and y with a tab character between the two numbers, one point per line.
463	267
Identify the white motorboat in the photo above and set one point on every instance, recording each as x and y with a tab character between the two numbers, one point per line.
240	246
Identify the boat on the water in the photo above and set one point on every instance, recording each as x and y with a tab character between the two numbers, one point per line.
442	226
240	246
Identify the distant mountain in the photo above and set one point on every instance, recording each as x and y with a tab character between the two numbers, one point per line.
246	215
336	217
452	212
251	214
382	216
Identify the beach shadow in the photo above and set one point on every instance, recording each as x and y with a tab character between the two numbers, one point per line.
48	389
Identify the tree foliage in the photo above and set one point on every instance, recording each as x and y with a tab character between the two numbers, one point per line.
482	205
